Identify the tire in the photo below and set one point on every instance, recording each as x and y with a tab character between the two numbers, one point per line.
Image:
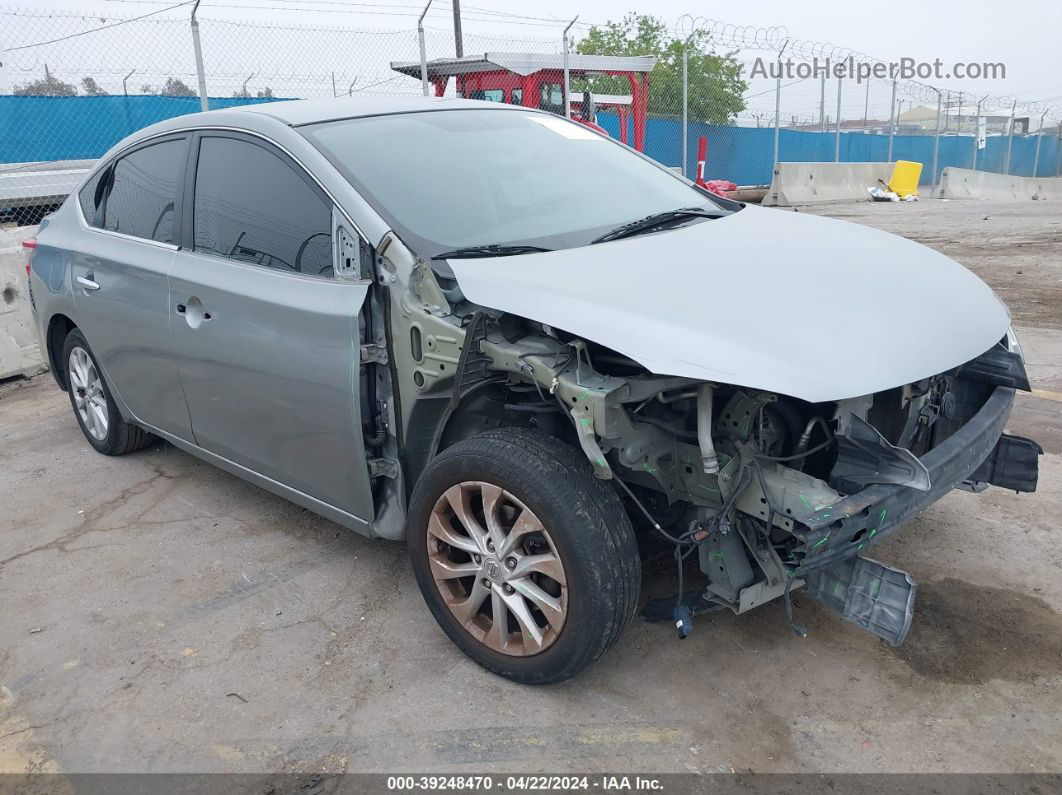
113	435
593	592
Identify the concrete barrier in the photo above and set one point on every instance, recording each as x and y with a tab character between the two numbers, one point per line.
813	183
965	183
36	184
19	350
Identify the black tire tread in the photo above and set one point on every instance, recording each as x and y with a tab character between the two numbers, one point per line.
565	471
620	534
132	438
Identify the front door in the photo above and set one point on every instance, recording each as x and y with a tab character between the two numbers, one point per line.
266	335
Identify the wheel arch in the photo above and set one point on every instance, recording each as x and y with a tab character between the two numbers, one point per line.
487	407
59	326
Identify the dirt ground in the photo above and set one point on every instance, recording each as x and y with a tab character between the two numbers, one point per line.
160	615
1014	246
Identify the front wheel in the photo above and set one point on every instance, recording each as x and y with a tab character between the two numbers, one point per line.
527	561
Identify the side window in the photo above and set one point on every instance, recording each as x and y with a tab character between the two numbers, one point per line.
488	95
516	96
87	196
550	94
143	193
252	206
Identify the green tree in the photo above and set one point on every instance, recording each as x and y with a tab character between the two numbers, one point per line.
243	93
91	88
176	88
47	86
716	84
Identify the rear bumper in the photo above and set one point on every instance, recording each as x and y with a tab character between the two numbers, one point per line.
844	528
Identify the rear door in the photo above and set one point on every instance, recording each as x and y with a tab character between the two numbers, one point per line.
266	335
120	269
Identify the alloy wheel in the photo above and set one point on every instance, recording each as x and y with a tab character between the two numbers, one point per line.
87	389
497	568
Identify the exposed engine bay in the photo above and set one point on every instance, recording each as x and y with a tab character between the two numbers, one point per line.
745	480
766	492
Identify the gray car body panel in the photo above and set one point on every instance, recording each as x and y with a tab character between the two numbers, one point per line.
805	306
271	378
290	422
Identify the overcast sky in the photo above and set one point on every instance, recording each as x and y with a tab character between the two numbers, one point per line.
1023	34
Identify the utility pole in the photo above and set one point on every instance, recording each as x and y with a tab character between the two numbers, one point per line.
1058	148
204	101
423	51
936	142
1010	138
778	102
892	120
459	45
1039	135
567	75
837	129
977	131
822	101
686	93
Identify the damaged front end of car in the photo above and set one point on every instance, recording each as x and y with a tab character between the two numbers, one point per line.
774	455
770	493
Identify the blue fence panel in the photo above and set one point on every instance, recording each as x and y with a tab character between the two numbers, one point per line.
745	155
73	128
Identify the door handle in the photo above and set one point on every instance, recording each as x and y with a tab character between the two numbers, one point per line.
182	309
192	311
87	283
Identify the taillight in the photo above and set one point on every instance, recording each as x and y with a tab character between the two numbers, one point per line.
30	243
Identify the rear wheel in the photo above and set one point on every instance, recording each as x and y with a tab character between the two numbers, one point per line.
527	561
94	408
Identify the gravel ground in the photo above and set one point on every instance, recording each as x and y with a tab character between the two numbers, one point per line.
160	615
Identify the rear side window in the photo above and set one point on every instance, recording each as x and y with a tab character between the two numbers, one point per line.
251	205
143	192
87	196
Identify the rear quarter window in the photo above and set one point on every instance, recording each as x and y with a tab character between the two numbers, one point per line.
87	196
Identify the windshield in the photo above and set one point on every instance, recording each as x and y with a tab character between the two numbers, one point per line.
451	179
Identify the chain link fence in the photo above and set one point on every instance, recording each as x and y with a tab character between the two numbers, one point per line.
73	84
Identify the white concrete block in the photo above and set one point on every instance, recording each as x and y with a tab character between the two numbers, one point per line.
20	352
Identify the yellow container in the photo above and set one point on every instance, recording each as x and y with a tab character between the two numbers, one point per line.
905	176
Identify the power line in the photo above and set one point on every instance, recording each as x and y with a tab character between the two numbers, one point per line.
474	13
101	27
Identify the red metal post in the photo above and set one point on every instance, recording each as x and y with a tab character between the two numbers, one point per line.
702	156
639	100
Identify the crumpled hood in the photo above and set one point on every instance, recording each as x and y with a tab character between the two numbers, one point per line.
811	307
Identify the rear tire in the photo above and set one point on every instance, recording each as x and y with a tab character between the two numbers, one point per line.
543	547
94	407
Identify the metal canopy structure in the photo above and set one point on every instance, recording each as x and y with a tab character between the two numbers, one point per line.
527	63
537	80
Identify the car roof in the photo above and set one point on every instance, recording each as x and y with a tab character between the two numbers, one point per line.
310	111
259	116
